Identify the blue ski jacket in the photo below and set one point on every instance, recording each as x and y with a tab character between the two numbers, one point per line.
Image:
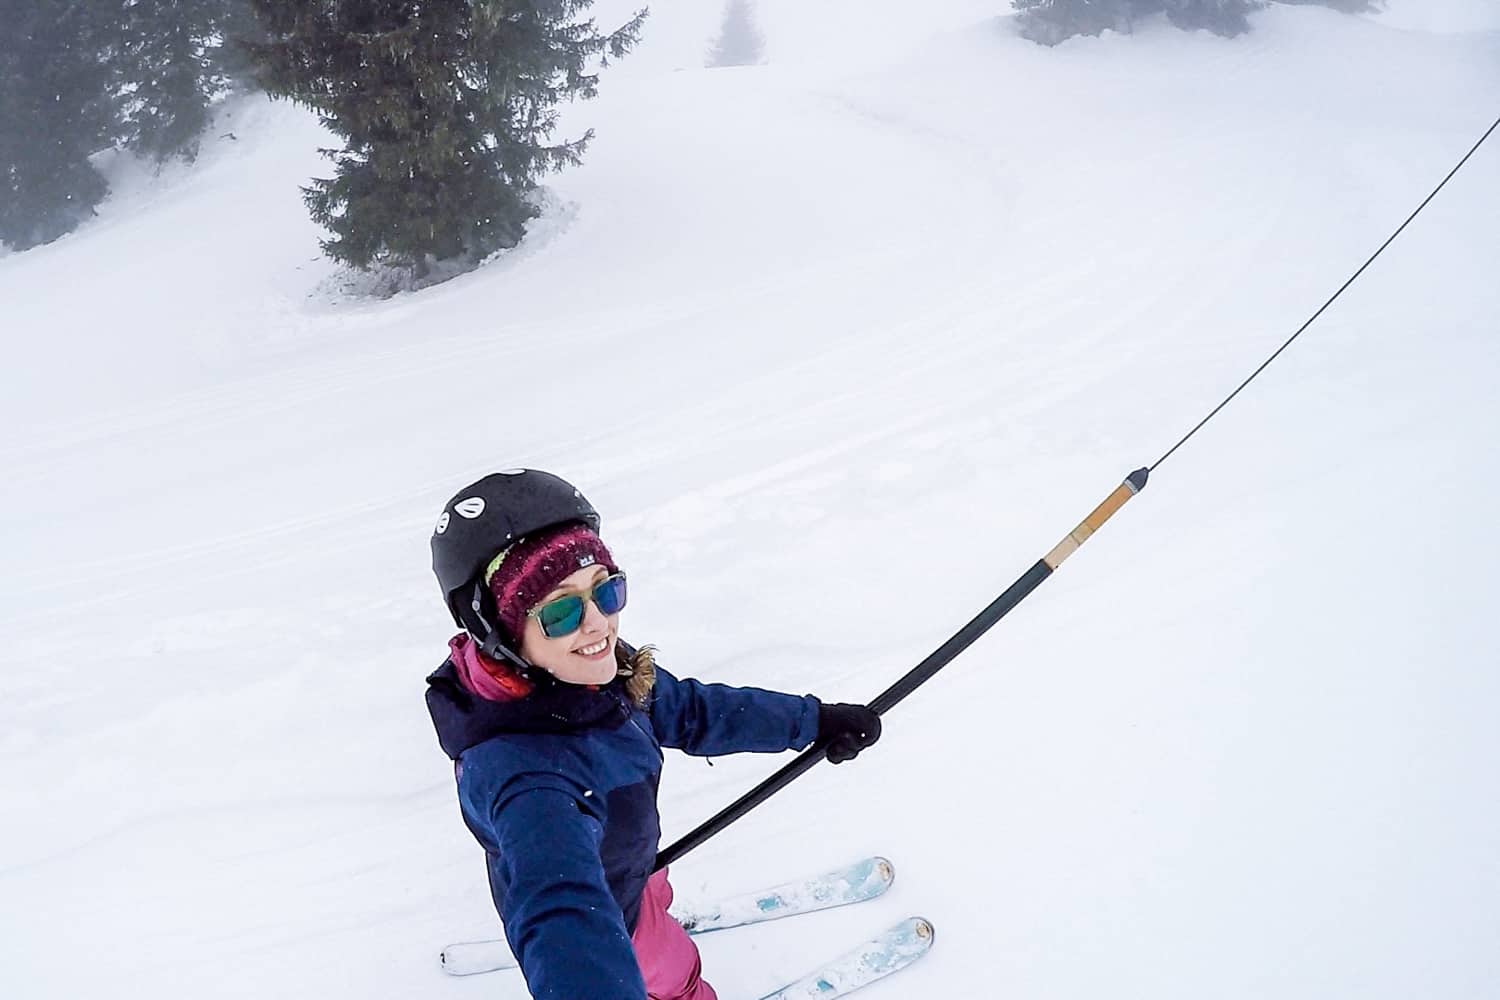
560	787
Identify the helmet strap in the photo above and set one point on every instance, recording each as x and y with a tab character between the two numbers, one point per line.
487	634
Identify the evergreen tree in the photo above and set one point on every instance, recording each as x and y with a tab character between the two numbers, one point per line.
236	28
444	106
57	107
79	76
740	42
169	74
1222	17
1051	21
176	57
1347	6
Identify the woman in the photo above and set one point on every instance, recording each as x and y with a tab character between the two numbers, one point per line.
556	727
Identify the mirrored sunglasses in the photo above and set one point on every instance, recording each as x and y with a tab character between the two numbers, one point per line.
564	615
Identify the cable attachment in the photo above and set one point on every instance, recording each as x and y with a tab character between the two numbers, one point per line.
1133	484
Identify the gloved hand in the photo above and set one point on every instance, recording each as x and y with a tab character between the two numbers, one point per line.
847	729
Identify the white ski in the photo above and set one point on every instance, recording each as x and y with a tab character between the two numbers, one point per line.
877	958
853	883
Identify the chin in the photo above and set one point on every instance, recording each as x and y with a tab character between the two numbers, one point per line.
581	671
602	672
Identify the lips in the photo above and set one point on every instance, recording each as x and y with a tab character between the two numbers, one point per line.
594	651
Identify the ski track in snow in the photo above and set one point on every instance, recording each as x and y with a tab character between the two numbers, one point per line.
839	345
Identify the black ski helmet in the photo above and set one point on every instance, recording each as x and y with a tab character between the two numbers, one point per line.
482	520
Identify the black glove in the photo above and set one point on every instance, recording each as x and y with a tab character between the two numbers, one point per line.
846	729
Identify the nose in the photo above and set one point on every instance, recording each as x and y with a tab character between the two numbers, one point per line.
594	620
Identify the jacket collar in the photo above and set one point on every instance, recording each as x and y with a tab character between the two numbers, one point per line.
464	720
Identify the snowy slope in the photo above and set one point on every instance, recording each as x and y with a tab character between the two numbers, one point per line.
839	345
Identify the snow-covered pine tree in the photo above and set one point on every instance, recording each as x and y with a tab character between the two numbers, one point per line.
1222	17
1052	21
444	106
1347	6
171	61
57	108
740	42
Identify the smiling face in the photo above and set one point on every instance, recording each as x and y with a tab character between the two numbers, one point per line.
586	656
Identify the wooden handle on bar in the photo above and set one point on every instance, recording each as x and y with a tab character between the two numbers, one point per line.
1132	485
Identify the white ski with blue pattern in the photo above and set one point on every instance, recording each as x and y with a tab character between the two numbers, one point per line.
872	961
853	883
864	879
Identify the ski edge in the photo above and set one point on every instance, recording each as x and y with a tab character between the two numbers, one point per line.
856	882
473	958
881	956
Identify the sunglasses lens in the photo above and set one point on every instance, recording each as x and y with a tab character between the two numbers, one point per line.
561	616
564	615
609	594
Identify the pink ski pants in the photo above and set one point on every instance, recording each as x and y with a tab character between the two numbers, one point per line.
667	956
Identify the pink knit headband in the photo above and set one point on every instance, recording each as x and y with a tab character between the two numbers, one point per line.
533	567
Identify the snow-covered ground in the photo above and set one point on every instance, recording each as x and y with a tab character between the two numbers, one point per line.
840	345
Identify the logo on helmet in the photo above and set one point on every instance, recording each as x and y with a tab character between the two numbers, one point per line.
442	524
470	508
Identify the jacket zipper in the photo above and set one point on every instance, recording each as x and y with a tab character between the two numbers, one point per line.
635	721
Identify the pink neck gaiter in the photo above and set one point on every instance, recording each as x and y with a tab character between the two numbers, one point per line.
483	676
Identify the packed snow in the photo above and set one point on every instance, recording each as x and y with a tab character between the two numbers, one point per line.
839	344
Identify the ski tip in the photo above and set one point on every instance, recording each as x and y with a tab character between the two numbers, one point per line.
453	963
922	928
885	869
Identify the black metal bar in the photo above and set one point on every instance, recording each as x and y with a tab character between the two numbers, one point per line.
914	679
965	637
742	805
918	675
